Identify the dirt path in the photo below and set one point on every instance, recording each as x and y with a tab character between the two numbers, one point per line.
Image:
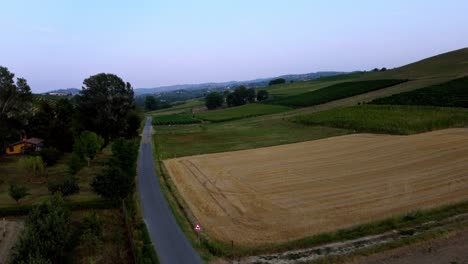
8	241
449	249
288	192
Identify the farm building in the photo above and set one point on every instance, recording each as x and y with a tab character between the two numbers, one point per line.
33	144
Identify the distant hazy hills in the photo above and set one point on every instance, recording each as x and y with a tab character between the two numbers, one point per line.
72	91
251	83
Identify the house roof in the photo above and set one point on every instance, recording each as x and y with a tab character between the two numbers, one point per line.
32	141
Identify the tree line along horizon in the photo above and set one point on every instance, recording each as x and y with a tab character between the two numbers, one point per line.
239	96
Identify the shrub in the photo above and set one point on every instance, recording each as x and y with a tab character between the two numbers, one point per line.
68	187
17	192
92	224
50	155
33	165
46	233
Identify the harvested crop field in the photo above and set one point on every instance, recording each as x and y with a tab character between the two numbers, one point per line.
288	192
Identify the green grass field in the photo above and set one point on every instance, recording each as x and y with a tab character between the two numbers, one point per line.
449	65
185	107
174	119
301	87
451	94
388	119
235	135
240	112
334	92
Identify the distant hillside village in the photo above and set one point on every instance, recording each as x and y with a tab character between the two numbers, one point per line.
60	94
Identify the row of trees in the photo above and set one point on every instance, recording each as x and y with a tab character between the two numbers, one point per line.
152	103
240	96
105	106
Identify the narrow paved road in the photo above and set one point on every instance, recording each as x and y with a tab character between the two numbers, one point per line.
168	239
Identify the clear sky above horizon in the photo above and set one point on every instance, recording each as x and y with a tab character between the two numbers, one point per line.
58	43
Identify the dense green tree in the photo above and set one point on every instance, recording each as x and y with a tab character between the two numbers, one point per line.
87	145
62	130
230	100
15	106
118	180
251	96
17	192
103	105
214	100
240	96
41	123
54	123
151	103
46	233
262	95
134	119
277	81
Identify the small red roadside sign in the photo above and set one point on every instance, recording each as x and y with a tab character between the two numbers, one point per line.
198	228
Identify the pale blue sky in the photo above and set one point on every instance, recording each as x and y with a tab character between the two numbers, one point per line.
57	43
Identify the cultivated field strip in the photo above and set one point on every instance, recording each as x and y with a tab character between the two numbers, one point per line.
287	192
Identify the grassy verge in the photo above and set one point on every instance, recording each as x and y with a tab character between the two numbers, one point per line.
391	245
388	119
451	94
239	112
334	92
235	135
175	119
138	233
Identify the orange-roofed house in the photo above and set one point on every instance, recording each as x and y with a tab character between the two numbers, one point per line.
22	146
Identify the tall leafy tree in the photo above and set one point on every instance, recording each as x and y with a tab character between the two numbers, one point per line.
15	106
240	96
251	96
62	130
214	100
103	105
151	103
118	180
46	234
262	95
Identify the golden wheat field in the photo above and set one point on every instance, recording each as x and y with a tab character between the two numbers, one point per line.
287	192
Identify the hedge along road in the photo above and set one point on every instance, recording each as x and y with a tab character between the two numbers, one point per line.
168	239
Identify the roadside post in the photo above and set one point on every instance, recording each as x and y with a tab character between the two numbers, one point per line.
198	229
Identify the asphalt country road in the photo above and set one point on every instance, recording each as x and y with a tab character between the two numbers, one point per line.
168	239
